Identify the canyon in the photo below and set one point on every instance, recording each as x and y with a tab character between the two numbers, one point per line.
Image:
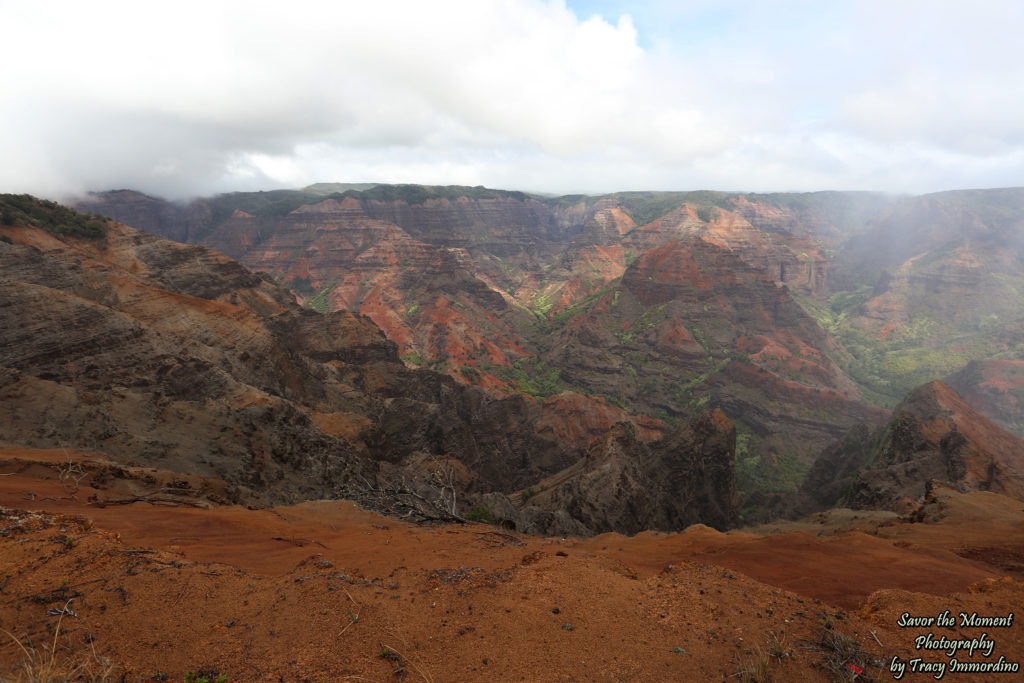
546	398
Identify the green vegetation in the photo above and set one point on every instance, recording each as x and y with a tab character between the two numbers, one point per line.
319	302
581	306
781	474
326	189
778	474
203	677
644	207
272	203
412	358
418	194
52	217
568	200
282	202
533	377
707	213
302	285
481	514
542	304
648	319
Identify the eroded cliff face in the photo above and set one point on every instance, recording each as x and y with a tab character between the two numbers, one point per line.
178	222
176	356
691	324
934	436
627	486
797	262
995	388
514	294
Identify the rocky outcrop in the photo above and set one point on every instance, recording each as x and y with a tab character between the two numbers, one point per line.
797	262
834	473
691	325
935	436
176	356
627	486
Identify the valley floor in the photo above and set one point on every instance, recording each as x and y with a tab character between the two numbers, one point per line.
170	584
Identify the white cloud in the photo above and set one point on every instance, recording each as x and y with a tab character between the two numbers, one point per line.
211	96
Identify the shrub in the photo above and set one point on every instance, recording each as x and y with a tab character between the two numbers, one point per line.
481	514
50	216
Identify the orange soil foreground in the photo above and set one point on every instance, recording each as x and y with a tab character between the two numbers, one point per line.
323	591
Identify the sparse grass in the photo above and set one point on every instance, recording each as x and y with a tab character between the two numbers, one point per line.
202	676
842	656
756	666
398	659
51	666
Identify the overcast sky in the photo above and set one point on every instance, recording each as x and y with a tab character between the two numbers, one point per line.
193	98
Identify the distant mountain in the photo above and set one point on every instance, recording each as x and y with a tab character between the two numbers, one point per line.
512	292
161	354
995	388
936	282
326	189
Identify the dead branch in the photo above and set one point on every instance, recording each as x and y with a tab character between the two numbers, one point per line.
300	542
104	502
71	474
401	499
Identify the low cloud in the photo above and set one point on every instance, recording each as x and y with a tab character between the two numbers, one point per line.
217	96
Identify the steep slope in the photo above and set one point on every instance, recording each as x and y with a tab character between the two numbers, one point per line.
627	486
181	223
934	284
164	354
691	325
483	285
426	298
995	388
933	437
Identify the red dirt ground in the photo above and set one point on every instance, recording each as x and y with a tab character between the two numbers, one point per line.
323	591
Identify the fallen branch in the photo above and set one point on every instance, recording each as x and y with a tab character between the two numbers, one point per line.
399	499
143	499
300	542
